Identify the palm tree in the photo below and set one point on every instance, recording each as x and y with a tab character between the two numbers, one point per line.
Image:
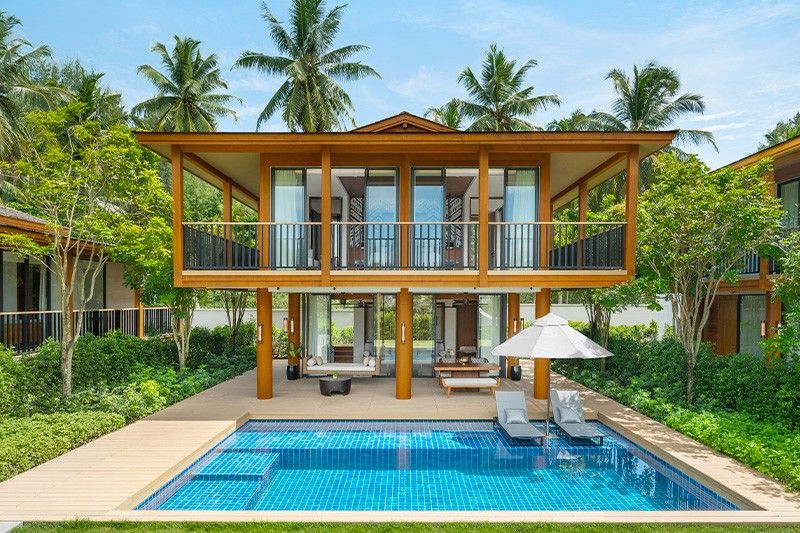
783	131
577	121
650	101
449	114
186	92
17	91
310	99
497	100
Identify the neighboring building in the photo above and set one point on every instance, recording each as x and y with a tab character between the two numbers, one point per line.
743	314
426	236
29	295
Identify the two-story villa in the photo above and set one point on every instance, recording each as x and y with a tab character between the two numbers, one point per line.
428	234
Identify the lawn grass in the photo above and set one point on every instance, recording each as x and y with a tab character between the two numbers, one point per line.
321	527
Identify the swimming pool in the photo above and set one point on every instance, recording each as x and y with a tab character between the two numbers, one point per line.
424	465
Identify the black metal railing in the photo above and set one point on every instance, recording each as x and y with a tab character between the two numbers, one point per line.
556	245
751	264
366	245
443	245
25	331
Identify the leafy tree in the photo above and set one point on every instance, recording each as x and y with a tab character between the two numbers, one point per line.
235	304
648	101
99	192
17	90
449	114
310	98
695	228
498	99
783	131
187	97
577	121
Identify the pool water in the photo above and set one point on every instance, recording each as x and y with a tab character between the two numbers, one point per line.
427	465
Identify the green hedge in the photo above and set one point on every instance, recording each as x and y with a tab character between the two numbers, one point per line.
27	442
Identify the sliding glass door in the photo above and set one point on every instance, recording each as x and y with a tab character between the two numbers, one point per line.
380	210
423	334
491	324
288	240
428	213
318	326
520	235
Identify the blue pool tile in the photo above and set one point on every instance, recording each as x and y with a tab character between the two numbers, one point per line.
424	465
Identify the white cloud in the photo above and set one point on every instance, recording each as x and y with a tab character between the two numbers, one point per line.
728	126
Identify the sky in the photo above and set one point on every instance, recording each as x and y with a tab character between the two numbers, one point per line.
741	56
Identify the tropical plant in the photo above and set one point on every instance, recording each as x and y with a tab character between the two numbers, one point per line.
63	173
17	91
187	97
449	114
577	121
783	131
695	228
235	304
310	97
498	99
649	100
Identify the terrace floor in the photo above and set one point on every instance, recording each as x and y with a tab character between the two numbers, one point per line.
105	479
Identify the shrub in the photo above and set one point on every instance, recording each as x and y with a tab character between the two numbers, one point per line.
27	442
13	401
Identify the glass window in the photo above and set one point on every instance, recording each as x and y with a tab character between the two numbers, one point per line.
385	329
789	193
424	334
318	326
288	195
520	195
752	310
491	324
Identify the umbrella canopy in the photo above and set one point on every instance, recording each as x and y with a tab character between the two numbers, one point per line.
551	337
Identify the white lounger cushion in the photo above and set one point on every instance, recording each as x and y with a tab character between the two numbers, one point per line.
343	367
469	382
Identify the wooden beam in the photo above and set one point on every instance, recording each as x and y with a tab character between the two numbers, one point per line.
405	210
541	366
631	202
513	314
325	231
224	178
483	214
137	303
545	213
264	206
263	344
602	167
403	344
177	213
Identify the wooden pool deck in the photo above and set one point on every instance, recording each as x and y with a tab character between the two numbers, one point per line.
106	478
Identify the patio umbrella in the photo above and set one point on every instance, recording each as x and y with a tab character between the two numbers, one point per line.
550	337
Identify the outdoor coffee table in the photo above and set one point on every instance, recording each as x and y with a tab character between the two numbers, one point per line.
329	385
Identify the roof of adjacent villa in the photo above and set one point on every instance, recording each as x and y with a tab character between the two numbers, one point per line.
591	156
784	149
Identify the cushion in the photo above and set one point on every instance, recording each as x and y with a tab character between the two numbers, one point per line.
569	416
371	362
366	353
515	416
365	362
311	361
318	359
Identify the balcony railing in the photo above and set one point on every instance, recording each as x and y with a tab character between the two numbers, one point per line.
25	331
556	245
430	245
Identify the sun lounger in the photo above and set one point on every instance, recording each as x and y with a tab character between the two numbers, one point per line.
568	415
512	417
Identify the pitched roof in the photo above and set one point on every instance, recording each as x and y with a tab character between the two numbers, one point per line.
780	149
11	213
403	122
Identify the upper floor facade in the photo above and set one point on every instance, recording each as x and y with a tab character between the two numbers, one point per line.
404	202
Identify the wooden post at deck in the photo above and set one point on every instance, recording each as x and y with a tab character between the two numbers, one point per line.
631	201
325	255
405	212
293	312
177	214
541	367
583	209
483	215
263	344
227	216
264	207
514	322
137	302
403	344
545	213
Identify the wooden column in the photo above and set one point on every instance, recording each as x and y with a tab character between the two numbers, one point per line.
137	302
403	345
264	207
325	214
264	344
583	209
227	216
405	211
631	201
514	322
293	314
483	216
177	214
541	367
545	212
